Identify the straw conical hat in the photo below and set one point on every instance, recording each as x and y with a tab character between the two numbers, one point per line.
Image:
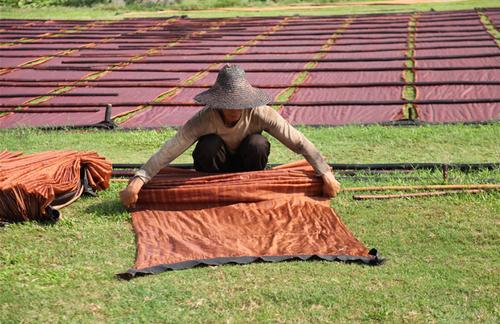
232	91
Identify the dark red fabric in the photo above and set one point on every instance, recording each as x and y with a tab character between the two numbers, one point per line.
458	63
465	91
366	37
494	17
341	115
455	51
59	119
452	113
31	183
161	117
21	90
363	65
389	93
458	75
184	218
354	77
390	53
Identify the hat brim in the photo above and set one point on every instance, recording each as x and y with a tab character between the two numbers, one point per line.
240	98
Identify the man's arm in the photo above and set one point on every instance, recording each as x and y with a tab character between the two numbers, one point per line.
130	194
279	128
170	150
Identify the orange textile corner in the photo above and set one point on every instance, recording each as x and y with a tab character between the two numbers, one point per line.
34	186
185	218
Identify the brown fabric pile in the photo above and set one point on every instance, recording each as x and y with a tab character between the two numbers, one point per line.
184	219
34	186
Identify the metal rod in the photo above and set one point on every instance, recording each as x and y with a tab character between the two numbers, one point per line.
389	102
255	70
351	175
326	24
286	60
14	80
330	28
335	49
154	44
369	166
107	49
134	84
312	104
303	36
120	38
21	95
46	111
259	45
317	32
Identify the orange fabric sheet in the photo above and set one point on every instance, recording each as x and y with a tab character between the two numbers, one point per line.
29	184
184	218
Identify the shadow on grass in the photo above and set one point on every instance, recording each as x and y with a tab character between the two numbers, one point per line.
109	208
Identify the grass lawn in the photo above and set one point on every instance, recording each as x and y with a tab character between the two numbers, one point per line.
441	260
442	252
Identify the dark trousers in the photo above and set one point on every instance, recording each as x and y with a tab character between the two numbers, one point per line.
212	155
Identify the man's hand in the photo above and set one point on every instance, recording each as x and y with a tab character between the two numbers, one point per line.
130	194
330	185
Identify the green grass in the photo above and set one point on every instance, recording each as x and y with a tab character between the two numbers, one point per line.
442	252
442	266
347	144
110	12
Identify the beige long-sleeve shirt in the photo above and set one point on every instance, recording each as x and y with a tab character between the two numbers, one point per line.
209	121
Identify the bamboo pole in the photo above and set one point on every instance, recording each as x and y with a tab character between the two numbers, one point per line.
448	188
415	194
425	187
120	179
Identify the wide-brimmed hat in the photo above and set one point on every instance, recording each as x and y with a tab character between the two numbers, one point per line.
232	91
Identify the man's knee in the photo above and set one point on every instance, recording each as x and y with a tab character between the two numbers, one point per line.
254	151
210	154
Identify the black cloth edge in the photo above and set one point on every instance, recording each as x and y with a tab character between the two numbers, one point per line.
133	273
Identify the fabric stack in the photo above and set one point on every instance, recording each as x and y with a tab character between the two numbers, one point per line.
35	186
185	218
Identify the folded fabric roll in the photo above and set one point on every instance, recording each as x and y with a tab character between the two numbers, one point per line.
34	186
185	218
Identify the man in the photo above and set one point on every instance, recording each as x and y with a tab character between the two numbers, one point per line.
228	131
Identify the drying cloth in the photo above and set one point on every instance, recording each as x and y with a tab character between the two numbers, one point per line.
185	218
33	187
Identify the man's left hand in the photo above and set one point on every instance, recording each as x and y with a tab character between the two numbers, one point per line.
330	185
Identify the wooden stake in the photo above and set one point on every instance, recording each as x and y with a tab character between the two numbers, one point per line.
120	179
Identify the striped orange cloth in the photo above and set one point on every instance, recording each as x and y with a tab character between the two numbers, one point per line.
184	219
34	186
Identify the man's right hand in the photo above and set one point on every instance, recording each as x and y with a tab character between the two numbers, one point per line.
330	185
130	194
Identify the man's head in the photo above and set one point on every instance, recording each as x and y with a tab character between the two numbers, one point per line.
232	91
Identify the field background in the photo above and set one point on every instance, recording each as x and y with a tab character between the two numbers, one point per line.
441	260
35	9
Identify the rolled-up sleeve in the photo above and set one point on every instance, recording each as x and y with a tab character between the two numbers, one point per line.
279	128
172	148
